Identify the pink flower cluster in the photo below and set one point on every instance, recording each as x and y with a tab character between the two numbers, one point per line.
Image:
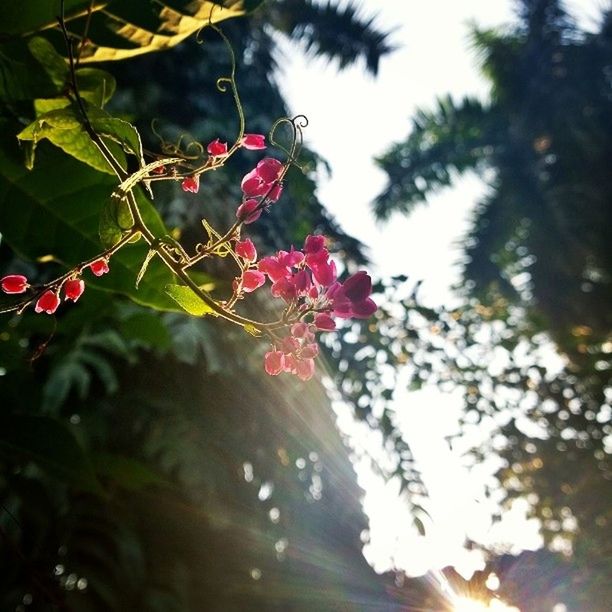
307	281
217	149
49	300
260	187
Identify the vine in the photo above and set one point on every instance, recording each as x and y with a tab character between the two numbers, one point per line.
305	279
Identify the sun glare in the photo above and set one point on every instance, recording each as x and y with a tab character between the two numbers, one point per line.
465	604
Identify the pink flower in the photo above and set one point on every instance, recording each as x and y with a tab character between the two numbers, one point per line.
284	288
252	185
310	351
352	299
324	322
249	211
14	283
324	273
73	289
274	362
252	279
298	330
254	142
100	266
302	282
191	183
217	148
246	250
274	268
269	169
290	258
275	193
313	244
47	302
305	369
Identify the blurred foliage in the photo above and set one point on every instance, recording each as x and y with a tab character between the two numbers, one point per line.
530	341
147	462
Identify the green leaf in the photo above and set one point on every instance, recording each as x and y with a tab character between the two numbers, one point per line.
147	329
64	128
32	15
115	218
126	29
95	85
42	213
188	300
145	264
50	445
22	77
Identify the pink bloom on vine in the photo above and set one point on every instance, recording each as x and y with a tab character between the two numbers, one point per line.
217	148
275	192
352	299
14	283
299	330
289	345
274	362
273	268
305	369
314	244
248	211
99	267
254	142
252	279
290	364
191	183
269	169
73	289
324	272
324	322
290	258
252	185
246	250
302	281
47	302
284	288
310	351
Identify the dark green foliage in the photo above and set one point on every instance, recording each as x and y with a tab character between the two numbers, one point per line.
186	479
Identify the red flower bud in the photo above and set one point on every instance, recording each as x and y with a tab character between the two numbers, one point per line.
252	279
14	283
246	250
73	289
274	362
191	183
254	141
100	266
268	169
313	244
275	193
248	211
305	369
47	302
324	322
217	148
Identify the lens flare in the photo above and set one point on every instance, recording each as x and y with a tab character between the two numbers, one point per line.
465	604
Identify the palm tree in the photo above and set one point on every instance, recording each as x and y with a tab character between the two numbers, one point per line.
539	245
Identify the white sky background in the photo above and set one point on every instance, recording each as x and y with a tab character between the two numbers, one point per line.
353	118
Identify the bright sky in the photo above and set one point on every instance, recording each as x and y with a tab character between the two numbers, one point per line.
352	119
